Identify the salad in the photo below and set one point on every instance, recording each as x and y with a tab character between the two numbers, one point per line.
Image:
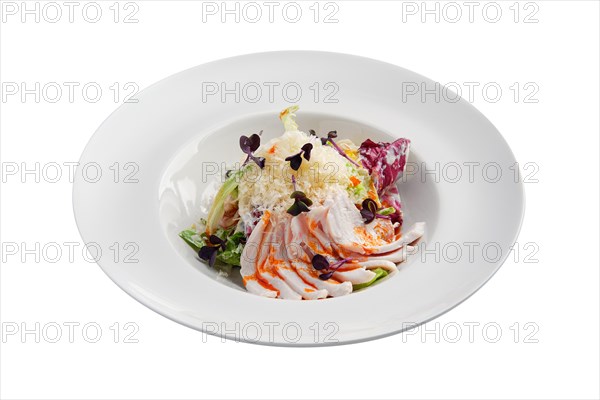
307	215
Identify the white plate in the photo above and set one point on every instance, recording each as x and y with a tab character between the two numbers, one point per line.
177	127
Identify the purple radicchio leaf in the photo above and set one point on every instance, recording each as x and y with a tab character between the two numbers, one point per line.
385	163
391	198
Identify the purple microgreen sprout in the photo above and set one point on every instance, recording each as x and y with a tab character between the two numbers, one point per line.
330	136
370	211
249	145
209	252
326	275
320	263
307	148
296	159
301	202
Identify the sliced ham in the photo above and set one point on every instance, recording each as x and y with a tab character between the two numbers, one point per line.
302	264
250	256
289	273
355	275
276	261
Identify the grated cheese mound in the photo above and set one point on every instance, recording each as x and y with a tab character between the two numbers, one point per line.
326	173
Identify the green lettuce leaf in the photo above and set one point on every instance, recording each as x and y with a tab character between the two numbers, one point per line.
233	249
234	245
217	209
386	211
192	238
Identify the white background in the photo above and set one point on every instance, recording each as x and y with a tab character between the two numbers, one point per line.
555	356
